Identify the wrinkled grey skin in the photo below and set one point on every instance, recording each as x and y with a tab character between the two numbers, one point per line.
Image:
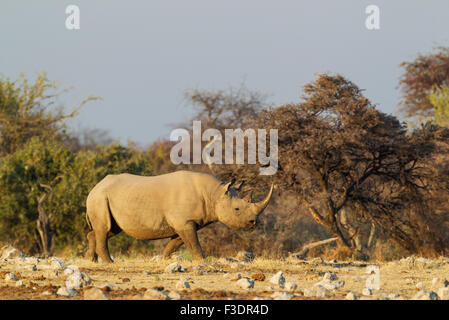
173	205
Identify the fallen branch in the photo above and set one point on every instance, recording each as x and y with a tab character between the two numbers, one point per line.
305	249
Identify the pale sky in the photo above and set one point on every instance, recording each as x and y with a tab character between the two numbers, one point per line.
140	56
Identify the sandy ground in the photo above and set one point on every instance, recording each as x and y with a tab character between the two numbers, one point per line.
131	278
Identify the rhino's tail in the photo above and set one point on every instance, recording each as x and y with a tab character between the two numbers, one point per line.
88	221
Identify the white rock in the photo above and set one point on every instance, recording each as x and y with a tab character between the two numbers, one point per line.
19	283
351	296
77	280
316	291
173	267
425	295
367	292
419	285
282	296
291	286
152	294
9	252
182	285
278	279
11	277
330	285
174	295
66	292
443	293
71	269
322	292
46	293
330	276
245	283
269	288
95	294
56	263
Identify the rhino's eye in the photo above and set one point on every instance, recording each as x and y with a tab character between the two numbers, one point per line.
236	209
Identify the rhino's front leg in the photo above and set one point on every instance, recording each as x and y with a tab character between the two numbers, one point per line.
190	237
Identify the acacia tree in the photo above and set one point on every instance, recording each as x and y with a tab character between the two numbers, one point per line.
337	151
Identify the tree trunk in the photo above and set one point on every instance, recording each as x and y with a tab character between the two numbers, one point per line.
43	224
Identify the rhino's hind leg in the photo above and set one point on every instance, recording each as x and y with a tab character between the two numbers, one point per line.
91	254
173	245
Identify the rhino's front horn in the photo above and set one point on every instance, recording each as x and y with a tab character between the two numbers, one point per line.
261	205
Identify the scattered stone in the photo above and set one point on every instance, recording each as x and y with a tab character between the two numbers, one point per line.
152	294
245	256
330	276
106	287
174	295
282	296
322	292
56	263
71	269
245	283
269	288
95	294
394	296
19	283
11	277
278	279
291	286
419	285
173	267
425	295
66	292
316	291
77	280
330	285
351	296
258	276
182	285
47	293
9	252
146	273
367	292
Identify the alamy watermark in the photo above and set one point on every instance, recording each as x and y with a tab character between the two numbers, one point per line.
212	153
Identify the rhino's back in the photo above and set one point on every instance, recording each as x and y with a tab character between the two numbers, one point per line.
151	206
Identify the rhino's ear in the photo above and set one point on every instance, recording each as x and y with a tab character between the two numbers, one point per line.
229	185
239	188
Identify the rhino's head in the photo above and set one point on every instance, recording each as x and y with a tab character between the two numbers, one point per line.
238	213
